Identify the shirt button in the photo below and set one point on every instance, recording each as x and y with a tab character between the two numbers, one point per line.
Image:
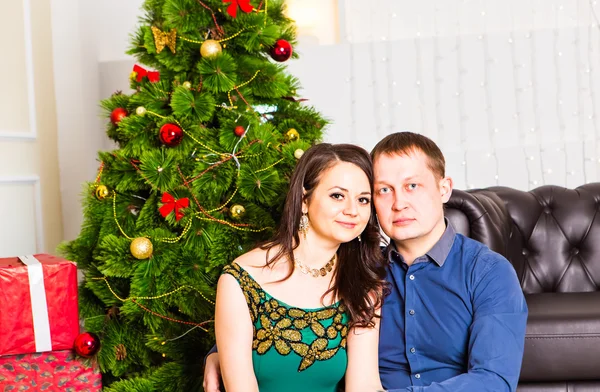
417	375
411	277
412	350
411	312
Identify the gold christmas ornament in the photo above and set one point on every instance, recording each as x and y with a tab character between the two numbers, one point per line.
101	192
292	135
187	85
133	75
298	153
237	211
141	248
162	39
210	48
140	111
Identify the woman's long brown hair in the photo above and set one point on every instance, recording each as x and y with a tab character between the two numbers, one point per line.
358	280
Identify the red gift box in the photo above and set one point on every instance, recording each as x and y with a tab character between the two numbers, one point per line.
38	304
50	371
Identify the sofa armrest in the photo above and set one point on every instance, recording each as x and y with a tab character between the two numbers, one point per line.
481	215
562	341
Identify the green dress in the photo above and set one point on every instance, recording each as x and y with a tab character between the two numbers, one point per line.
293	349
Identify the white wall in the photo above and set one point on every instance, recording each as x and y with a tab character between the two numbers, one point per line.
510	89
30	209
82	31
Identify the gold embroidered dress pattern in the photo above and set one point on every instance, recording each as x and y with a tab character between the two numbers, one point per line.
311	334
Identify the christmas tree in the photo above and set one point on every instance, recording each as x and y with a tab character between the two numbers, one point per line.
206	142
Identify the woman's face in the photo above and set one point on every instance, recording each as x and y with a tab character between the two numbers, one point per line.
340	205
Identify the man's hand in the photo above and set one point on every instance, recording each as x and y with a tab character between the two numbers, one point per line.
212	374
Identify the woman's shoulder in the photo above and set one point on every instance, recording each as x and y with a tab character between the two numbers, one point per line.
254	259
244	269
254	262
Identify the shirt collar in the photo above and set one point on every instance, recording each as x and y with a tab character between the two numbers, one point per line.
438	253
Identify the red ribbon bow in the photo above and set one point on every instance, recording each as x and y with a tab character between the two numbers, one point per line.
232	8
153	76
170	204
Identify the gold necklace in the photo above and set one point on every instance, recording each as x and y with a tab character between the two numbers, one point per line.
315	273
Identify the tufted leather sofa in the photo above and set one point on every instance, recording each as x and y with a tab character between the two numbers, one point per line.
551	235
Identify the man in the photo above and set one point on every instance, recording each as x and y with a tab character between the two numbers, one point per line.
455	317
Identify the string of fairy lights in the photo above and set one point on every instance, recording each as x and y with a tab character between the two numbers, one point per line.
550	143
437	60
593	29
460	101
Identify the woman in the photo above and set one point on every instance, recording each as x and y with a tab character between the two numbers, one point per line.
300	313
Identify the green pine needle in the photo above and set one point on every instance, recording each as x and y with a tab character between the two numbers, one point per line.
218	73
197	106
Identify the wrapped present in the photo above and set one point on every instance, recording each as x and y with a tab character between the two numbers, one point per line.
38	304
50	371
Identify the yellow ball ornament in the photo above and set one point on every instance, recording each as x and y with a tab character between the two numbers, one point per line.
101	192
140	111
292	135
141	248
298	153
237	211
187	85
210	48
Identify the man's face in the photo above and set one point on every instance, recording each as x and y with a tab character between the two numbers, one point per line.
409	198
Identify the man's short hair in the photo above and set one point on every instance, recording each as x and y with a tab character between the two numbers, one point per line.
405	143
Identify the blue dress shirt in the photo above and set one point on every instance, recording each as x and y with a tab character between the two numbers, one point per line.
453	321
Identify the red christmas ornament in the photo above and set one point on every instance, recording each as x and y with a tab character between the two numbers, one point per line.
282	50
170	135
117	115
87	344
239	131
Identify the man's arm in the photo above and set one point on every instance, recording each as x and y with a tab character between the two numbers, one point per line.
212	371
497	334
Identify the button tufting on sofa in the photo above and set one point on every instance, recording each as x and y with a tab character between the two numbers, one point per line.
551	236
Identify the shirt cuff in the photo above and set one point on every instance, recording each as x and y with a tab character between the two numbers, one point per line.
211	351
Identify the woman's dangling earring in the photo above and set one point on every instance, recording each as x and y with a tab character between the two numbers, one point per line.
303	228
359	239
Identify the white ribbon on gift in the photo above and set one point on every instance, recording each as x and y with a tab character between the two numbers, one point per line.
39	306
